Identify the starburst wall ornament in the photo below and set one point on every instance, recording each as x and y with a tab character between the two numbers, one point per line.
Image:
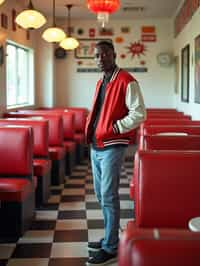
136	49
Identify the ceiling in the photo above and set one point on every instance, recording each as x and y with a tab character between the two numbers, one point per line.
129	8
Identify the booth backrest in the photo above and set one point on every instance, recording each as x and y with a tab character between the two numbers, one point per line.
167	115
157	129
67	117
80	114
170	121
167	188
56	131
40	133
16	149
157	142
156	247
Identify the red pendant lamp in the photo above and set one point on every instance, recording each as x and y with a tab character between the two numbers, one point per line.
103	8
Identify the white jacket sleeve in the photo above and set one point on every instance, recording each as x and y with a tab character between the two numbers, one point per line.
135	104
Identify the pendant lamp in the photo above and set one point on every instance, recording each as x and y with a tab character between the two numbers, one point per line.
53	34
103	8
69	43
30	18
1	1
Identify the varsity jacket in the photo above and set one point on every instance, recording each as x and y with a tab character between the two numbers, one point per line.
122	111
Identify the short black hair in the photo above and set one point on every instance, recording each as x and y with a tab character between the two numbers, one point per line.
107	43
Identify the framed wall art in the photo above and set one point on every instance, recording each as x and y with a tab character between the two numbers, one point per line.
86	48
185	70
197	69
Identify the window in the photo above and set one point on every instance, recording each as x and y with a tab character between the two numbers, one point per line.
19	76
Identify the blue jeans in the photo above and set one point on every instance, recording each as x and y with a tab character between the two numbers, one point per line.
106	167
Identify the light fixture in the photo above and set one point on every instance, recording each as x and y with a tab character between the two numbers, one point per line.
69	43
30	18
1	1
103	8
53	34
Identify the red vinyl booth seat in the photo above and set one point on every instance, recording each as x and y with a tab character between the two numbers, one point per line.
171	142
17	195
167	188
41	162
157	129
162	142
156	247
56	138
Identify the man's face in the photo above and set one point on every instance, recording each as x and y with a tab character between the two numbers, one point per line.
104	57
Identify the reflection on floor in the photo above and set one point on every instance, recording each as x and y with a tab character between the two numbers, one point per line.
62	228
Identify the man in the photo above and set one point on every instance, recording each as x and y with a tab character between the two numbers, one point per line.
118	108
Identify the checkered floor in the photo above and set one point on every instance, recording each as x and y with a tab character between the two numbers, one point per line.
62	228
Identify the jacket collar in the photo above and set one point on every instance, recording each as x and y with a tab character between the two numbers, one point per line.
115	73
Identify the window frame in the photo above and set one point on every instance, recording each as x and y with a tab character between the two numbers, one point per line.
30	99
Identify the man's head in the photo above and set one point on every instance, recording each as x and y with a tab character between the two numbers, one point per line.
104	54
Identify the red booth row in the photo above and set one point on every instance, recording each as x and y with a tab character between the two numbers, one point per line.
52	152
165	188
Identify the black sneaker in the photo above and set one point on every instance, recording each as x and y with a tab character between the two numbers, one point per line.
94	246
101	258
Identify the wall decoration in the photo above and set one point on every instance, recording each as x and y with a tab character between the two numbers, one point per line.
142	62
92	33
106	32
4	21
60	53
197	69
14	25
122	56
119	40
129	69
86	48
136	49
148	34
80	31
185	70
125	29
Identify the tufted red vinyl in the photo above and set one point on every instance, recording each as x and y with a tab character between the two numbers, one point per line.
167	188
142	247
70	146
57	153
167	115
40	133
80	118
157	142
155	129
79	138
14	189
56	132
41	166
16	151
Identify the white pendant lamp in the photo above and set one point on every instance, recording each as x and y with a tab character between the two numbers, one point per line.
30	18
1	1
69	43
53	34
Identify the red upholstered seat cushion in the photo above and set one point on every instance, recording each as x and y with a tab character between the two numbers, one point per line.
56	153
70	146
79	138
151	247
41	166
15	189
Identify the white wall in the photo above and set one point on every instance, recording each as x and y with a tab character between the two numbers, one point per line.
77	89
187	36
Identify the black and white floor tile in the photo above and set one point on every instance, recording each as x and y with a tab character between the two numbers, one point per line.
62	228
